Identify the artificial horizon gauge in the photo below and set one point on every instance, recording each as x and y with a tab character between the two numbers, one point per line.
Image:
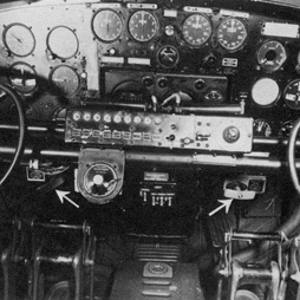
62	42
271	56
19	39
23	77
291	94
196	30
168	56
107	25
66	79
232	34
265	92
142	26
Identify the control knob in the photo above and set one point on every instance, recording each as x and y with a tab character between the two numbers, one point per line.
231	134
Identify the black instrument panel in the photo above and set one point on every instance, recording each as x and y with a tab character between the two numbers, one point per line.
183	57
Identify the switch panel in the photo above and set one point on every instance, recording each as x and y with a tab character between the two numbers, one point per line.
210	133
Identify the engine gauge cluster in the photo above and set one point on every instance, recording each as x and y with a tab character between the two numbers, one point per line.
200	58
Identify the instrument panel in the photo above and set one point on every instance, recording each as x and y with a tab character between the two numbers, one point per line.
182	59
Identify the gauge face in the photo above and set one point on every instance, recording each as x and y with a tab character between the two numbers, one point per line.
19	40
261	128
168	56
62	42
142	26
23	77
271	56
232	34
100	180
196	30
287	128
107	25
292	94
66	79
265	92
213	96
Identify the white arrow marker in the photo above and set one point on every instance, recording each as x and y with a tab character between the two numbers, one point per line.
225	203
62	195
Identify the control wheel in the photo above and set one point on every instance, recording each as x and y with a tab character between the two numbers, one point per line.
291	156
59	291
7	91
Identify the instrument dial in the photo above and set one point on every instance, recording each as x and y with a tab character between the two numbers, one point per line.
271	56
213	96
66	79
291	94
265	92
286	128
232	34
261	128
23	77
143	26
19	39
168	56
100	180
196	30
62	42
107	25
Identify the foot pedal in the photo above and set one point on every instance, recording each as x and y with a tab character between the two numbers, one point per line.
156	280
220	224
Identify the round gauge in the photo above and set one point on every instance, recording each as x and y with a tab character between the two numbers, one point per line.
286	128
196	30
213	96
107	25
168	56
232	34
100	180
142	26
66	79
19	39
261	128
23	77
291	94
62	42
131	92
265	92
271	56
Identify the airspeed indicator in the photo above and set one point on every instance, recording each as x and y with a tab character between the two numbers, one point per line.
232	34
196	30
